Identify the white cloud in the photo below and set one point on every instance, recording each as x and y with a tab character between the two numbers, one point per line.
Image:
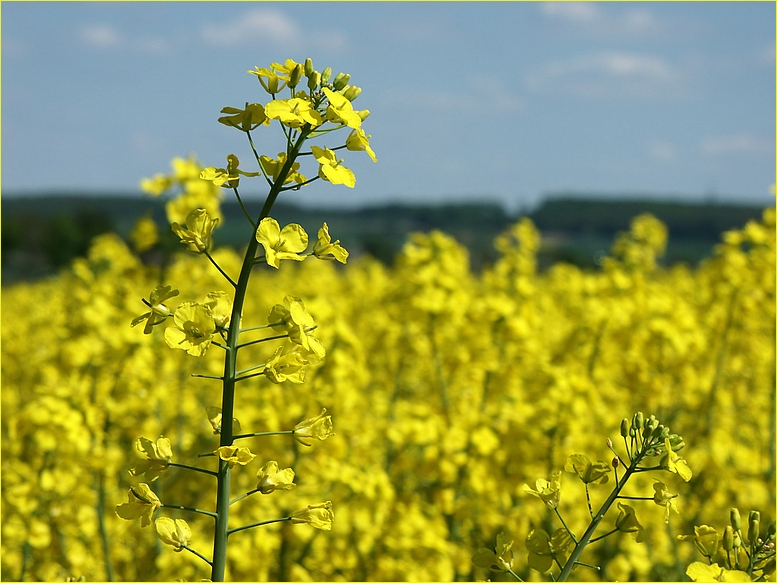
594	18
604	74
662	151
736	144
578	12
268	25
105	36
101	35
259	24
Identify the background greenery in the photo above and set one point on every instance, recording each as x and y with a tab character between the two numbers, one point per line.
42	233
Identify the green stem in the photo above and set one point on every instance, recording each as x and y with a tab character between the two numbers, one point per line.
193	468
191	550
189	509
242	206
597	518
230	368
261	340
221	271
246	495
255	524
262	434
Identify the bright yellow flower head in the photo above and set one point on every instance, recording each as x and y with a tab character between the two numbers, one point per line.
627	522
270	80
235	455
174	532
705	538
272	168
159	312
194	328
358	141
196	233
330	167
548	492
318	516
245	119
674	463
294	318
142	503
293	112
281	244
228	177
271	478
220	304
589	473
158	457
319	427
287	364
665	498
340	110
323	248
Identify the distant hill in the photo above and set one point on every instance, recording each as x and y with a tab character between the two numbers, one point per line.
42	234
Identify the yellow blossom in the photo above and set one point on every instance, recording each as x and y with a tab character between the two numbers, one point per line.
158	457
173	532
319	427
318	516
271	478
142	503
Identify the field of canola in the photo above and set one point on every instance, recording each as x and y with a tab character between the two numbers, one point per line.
448	391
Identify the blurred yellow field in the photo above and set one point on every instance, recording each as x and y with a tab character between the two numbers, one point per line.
448	392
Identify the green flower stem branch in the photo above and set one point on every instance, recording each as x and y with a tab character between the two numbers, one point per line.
230	368
193	468
188	509
586	538
255	524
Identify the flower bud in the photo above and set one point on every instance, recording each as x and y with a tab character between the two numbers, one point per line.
615	462
295	76
624	427
313	80
326	75
736	520
352	92
639	420
363	114
340	81
308	67
752	531
771	530
728	539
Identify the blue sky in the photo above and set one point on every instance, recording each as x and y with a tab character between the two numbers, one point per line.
506	102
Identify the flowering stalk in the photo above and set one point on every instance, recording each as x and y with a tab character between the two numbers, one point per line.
217	320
